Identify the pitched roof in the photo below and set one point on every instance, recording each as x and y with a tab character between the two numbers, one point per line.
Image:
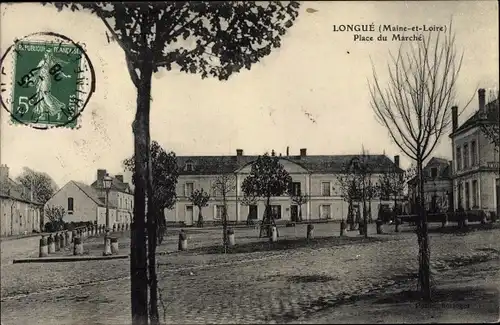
443	166
15	191
492	116
116	185
214	165
92	193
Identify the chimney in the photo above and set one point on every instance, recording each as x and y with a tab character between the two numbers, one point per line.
396	161
100	176
454	118
4	173
480	95
287	151
303	152
239	152
119	177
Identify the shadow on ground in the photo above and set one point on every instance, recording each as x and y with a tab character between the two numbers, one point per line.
285	244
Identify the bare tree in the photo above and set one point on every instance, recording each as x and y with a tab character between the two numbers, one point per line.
55	215
415	108
299	199
224	184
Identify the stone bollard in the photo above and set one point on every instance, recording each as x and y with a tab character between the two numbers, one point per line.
51	244
230	237
57	242
310	231
78	246
114	245
342	227
274	234
44	249
66	238
379	226
182	240
107	244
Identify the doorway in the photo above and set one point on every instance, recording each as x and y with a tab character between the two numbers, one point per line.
294	213
189	215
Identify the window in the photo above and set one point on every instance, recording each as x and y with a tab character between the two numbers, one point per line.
70	205
276	211
473	153
295	188
325	188
466	156
434	172
189	166
219	212
325	211
121	202
475	194
189	188
467	196
459	158
252	211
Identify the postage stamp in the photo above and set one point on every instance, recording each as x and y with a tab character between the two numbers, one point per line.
51	81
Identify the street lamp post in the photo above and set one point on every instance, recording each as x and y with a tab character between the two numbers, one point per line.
107	181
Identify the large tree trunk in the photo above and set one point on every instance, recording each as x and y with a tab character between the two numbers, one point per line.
138	261
423	239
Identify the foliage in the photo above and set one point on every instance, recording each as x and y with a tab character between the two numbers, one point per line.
194	35
55	215
415	108
200	199
165	174
41	184
267	178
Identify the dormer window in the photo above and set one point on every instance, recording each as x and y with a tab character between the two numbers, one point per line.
189	166
434	172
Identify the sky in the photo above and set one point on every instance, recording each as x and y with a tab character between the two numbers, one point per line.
317	74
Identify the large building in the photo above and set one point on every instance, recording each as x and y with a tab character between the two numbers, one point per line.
20	213
88	203
476	183
438	187
313	176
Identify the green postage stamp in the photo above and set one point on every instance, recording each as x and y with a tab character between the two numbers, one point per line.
52	81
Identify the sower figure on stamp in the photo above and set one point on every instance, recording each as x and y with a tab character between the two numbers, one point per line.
50	67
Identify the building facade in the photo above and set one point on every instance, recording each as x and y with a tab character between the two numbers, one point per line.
475	160
313	176
88	203
438	186
19	212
